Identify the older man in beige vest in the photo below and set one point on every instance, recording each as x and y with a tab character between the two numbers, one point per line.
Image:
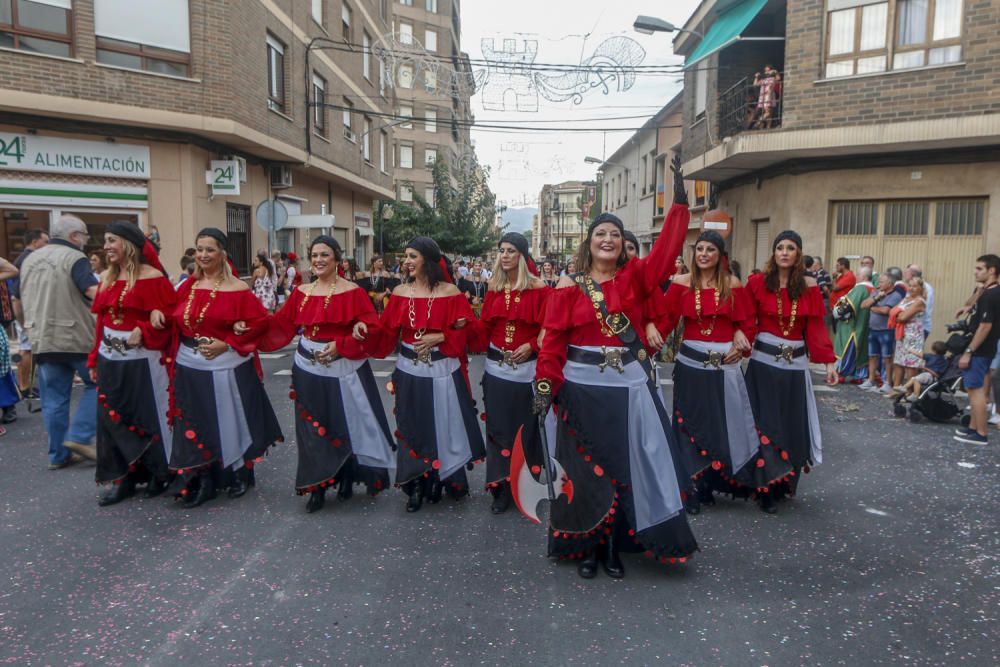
57	288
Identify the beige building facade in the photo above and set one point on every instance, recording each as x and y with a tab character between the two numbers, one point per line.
113	118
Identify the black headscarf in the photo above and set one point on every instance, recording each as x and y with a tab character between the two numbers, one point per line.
631	238
517	240
325	239
215	233
715	238
427	247
128	231
605	217
787	235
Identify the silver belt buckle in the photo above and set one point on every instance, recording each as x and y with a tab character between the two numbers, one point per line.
423	357
508	359
714	359
612	359
119	345
785	353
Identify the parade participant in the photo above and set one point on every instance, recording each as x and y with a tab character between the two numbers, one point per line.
850	335
631	244
378	283
475	286
548	274
437	425
222	419
791	334
128	363
622	467
511	321
341	430
717	435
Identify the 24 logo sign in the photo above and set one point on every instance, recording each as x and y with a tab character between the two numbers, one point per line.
12	150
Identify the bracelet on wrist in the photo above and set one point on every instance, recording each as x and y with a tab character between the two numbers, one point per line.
543	387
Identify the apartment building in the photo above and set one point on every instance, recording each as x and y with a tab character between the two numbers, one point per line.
184	114
433	86
638	184
564	213
880	138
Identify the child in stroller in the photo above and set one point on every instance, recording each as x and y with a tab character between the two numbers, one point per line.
935	364
931	394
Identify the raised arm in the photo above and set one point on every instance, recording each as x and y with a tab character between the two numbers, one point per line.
655	268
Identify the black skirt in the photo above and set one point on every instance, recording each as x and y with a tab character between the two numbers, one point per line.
508	406
323	436
129	433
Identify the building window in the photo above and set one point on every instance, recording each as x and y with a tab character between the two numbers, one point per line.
348	128
429	196
928	32
432	6
154	37
700	88
317	11
319	104
405	73
383	139
431	41
36	27
345	20
366	140
959	217
857	219
275	74
405	157
406	3
238	232
906	218
381	77
406	112
856	41
628	180
430	156
405	193
644	169
430	120
366	55
700	193
430	80
405	33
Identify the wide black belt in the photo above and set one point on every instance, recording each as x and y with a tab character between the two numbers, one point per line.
426	357
119	345
310	356
187	341
706	359
504	356
610	357
786	352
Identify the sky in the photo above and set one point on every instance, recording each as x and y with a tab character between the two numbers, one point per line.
566	31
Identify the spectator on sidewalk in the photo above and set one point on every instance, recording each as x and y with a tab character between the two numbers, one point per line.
33	240
850	342
844	280
914	271
823	279
934	366
881	342
869	261
57	287
975	361
907	321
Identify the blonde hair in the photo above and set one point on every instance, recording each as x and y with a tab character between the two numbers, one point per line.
130	262
499	281
199	273
921	290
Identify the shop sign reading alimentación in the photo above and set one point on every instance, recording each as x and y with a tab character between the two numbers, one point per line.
23	152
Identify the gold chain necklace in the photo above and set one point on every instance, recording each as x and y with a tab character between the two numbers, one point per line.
791	320
201	315
697	309
326	301
510	328
419	333
118	315
614	319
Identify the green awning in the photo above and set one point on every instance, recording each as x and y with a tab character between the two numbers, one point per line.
726	30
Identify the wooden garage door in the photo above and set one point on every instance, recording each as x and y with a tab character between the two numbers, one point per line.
943	236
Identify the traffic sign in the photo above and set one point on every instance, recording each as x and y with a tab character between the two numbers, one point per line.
271	215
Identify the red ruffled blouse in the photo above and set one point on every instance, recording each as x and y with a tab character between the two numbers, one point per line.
570	318
133	310
223	311
736	313
809	322
335	322
444	313
526	312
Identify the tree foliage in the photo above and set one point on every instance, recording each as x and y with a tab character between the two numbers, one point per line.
460	219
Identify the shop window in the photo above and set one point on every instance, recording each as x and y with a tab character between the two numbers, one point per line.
275	74
959	217
149	36
37	27
906	218
238	230
857	219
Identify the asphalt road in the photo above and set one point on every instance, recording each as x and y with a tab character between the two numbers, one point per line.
888	556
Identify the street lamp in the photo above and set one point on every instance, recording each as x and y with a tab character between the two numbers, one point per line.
593	160
647	25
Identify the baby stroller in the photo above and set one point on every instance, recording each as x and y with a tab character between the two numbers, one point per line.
938	402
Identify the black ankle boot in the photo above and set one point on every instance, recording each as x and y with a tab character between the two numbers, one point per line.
501	498
154	488
416	499
767	504
241	483
588	566
118	493
434	490
346	486
316	501
613	566
206	490
692	505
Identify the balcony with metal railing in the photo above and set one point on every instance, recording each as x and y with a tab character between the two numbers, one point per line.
752	103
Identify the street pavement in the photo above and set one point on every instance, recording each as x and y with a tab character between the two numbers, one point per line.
888	556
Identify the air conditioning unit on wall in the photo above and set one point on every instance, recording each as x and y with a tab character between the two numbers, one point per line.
281	176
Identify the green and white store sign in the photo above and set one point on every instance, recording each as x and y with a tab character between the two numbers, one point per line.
25	152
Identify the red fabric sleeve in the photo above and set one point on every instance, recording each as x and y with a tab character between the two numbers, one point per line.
667	309
161	296
479	331
745	313
655	268
816	336
248	310
389	326
281	327
552	356
98	337
364	311
455	340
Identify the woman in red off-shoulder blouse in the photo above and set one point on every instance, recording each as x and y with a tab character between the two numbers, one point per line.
790	333
222	419
510	323
128	362
436	418
341	430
